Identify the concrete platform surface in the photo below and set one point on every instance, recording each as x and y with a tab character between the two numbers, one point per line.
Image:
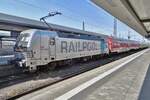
119	80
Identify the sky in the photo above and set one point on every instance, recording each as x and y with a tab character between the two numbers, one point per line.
74	12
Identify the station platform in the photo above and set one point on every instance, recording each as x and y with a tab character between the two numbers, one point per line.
124	79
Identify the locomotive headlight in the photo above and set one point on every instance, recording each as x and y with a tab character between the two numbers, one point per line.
22	63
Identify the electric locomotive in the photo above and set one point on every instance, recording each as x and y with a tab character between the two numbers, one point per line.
40	47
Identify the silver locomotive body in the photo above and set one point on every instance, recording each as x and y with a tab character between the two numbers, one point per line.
39	47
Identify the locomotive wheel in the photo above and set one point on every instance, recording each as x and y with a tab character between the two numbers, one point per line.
51	66
69	62
32	69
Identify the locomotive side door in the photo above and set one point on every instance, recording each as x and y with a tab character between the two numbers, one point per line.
44	48
36	41
52	46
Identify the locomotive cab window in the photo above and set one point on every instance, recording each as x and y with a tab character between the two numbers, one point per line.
22	42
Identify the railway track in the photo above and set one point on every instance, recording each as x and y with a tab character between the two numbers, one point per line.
8	70
13	79
10	86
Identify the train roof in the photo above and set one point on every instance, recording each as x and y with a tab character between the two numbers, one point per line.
73	30
68	30
120	39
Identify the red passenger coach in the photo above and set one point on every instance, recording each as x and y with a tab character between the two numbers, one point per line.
109	41
113	44
121	45
134	45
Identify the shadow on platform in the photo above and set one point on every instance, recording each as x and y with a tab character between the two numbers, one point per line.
145	90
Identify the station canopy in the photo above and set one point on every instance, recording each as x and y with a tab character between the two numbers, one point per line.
134	13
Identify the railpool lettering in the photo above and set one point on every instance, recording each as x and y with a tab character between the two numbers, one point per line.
64	46
78	46
71	47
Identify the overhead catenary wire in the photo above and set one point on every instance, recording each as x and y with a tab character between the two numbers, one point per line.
58	4
98	27
93	27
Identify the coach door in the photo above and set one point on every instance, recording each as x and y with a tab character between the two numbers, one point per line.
52	51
